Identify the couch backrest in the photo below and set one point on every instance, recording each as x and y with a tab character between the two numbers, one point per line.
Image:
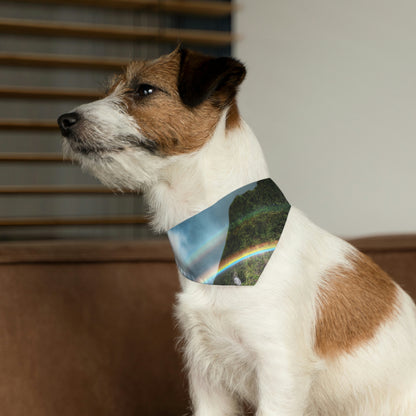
86	329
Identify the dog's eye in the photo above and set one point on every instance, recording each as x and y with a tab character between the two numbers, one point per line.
143	90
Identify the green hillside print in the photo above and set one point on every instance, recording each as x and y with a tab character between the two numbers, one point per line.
255	217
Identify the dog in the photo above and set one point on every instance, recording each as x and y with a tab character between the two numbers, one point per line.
324	331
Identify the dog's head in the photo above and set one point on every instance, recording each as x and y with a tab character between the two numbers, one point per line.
152	112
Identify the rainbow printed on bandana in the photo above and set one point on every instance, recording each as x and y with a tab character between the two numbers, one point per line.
231	242
239	257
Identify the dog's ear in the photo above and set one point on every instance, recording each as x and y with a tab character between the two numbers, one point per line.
202	77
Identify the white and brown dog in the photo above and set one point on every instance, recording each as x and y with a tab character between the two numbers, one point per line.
324	331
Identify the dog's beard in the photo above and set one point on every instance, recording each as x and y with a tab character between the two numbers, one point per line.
126	168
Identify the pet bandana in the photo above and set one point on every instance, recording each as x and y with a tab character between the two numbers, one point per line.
231	242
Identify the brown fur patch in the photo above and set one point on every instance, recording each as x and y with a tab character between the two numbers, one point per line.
353	303
233	116
162	117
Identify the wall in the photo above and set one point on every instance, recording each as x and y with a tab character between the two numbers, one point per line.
331	95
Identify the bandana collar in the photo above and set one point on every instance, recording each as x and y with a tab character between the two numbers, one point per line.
231	242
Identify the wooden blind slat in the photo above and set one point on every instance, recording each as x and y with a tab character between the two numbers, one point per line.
116	220
58	29
28	125
59	190
56	61
31	157
202	8
48	93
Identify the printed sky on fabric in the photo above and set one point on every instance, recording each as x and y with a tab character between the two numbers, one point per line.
230	242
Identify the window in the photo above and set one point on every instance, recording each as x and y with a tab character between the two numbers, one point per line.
55	55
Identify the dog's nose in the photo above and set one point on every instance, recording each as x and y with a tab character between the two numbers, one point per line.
67	121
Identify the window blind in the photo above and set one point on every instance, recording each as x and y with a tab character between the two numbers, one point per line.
55	55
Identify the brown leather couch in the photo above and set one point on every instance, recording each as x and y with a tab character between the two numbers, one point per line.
86	328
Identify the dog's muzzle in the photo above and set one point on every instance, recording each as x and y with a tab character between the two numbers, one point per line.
67	123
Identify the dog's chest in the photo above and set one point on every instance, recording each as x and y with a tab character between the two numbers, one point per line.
215	342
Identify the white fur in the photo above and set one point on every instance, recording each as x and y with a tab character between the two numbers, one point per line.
257	343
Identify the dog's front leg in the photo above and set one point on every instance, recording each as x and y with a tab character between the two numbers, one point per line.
209	399
283	386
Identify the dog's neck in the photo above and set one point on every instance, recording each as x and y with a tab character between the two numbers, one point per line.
191	183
